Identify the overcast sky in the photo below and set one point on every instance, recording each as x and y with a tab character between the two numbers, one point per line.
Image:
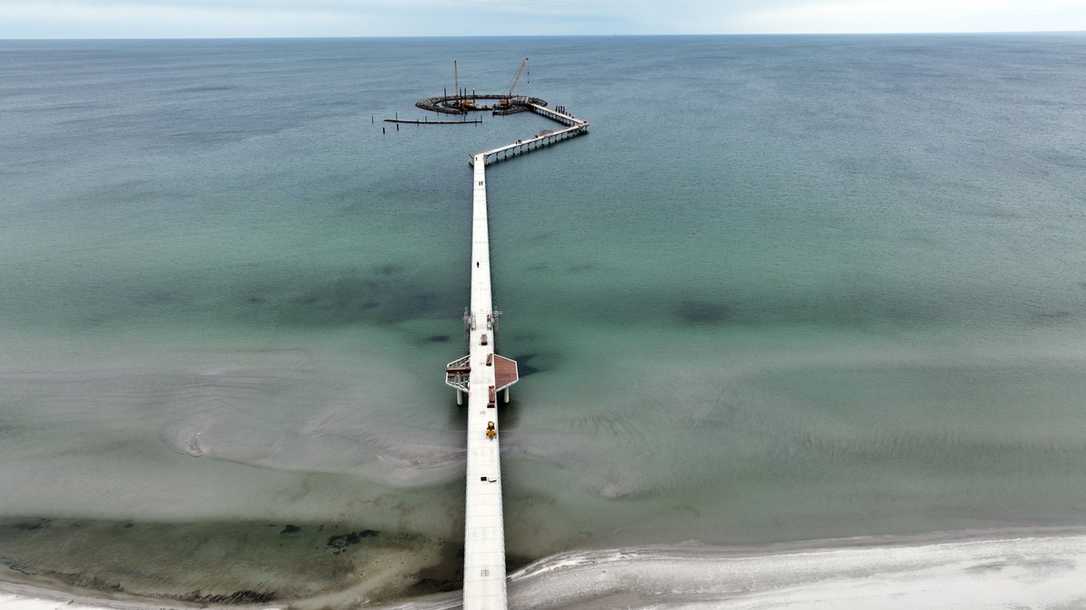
215	18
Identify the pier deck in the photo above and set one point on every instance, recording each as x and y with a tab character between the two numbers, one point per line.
574	127
483	374
484	534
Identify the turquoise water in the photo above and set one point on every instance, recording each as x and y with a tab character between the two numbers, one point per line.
789	287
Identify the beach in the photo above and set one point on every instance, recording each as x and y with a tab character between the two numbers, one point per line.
811	289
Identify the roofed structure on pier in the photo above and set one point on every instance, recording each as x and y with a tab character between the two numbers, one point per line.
458	372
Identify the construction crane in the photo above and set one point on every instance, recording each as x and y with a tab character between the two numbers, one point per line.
516	77
505	103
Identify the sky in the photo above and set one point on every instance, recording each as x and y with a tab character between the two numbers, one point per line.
248	18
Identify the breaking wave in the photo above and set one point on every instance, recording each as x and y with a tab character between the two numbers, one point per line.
1031	570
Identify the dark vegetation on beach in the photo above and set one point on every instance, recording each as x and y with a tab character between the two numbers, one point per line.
239	563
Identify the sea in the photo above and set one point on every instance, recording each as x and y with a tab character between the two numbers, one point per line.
826	292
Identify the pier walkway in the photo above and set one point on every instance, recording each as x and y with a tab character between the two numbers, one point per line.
485	375
574	127
484	535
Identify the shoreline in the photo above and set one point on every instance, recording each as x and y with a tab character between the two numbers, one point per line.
1042	560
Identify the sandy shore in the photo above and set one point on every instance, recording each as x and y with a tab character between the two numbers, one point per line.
1028	569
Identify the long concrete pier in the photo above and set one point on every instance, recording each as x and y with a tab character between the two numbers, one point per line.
484	532
485	376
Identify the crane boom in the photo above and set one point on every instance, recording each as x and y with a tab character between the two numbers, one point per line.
516	77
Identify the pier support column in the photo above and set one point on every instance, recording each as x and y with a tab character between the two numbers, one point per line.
506	395
459	398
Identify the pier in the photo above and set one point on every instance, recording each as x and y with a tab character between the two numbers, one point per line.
483	375
425	122
574	127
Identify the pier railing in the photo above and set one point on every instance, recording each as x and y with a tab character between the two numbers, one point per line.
554	115
521	147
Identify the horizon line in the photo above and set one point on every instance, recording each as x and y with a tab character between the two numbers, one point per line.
624	35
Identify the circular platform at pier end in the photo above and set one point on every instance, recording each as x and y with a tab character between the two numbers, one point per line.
482	102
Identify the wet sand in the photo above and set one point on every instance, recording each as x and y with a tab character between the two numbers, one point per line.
1037	568
235	564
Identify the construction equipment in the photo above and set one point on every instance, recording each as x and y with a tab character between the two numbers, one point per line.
462	103
508	101
516	77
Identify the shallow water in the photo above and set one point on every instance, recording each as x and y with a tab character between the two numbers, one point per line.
788	288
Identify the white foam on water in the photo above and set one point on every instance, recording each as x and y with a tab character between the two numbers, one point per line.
1030	571
1033	572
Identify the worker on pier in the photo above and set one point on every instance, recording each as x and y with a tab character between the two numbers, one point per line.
491	432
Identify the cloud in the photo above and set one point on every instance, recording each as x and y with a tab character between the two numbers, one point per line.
155	18
123	19
169	18
915	16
